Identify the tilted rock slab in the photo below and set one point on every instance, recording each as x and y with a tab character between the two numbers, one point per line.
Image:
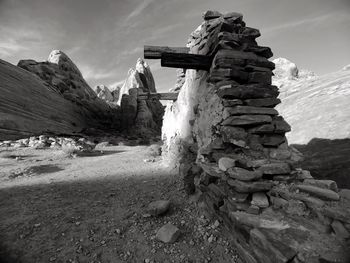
29	105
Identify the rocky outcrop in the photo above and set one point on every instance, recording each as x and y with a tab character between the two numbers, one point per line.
138	117
62	74
141	117
141	78
232	150
315	106
108	95
29	105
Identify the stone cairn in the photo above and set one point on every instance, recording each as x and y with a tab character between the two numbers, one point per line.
243	170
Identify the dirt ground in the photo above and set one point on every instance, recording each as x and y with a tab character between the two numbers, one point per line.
55	208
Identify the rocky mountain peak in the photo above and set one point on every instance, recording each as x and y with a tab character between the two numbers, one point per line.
63	61
347	67
145	74
285	68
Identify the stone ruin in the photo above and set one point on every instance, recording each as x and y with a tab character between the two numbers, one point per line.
232	152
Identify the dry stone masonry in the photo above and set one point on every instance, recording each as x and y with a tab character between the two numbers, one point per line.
234	154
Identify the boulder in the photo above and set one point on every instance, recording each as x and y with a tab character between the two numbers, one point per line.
211	15
159	207
168	233
260	199
226	163
234	135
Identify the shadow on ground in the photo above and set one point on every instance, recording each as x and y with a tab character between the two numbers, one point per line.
101	152
78	221
36	170
328	159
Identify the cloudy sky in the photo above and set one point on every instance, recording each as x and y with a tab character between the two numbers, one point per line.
105	37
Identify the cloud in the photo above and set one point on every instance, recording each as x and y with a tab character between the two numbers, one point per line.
90	73
311	21
17	40
155	66
138	10
131	52
10	46
161	32
117	83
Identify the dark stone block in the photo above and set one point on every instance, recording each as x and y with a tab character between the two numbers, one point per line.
251	91
268	102
246	120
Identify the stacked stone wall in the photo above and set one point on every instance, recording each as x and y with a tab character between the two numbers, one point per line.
234	154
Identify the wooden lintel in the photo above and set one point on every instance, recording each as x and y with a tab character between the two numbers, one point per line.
159	96
155	52
186	61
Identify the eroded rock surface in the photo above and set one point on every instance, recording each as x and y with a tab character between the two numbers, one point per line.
143	117
29	105
63	75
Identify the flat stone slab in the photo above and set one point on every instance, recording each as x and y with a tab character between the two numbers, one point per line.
319	192
247	91
249	187
159	207
267	102
244	120
231	103
255	221
327	184
275	168
240	110
243	174
168	233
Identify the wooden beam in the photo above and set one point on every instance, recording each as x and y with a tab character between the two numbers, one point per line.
186	61
155	52
159	96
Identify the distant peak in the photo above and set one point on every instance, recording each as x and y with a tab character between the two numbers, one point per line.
285	68
347	67
63	61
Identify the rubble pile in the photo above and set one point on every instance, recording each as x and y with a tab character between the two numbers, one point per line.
44	141
234	153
